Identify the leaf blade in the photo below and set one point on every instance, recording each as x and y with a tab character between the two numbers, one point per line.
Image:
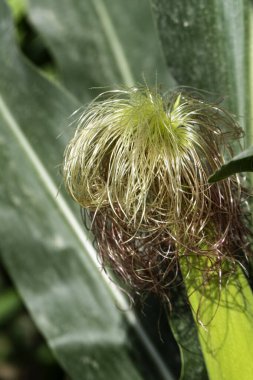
38	247
206	47
242	162
112	45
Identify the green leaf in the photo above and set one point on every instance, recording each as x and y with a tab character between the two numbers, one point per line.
43	246
243	162
186	335
224	318
206	45
100	43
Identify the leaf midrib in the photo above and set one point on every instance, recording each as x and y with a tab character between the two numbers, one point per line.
114	42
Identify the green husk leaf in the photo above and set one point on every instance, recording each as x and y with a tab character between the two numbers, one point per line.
224	319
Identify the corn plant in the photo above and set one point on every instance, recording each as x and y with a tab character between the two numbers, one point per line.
171	83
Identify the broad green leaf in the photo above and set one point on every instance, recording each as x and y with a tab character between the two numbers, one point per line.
43	246
100	43
243	162
206	45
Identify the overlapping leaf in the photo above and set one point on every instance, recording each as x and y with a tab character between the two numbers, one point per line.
43	246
